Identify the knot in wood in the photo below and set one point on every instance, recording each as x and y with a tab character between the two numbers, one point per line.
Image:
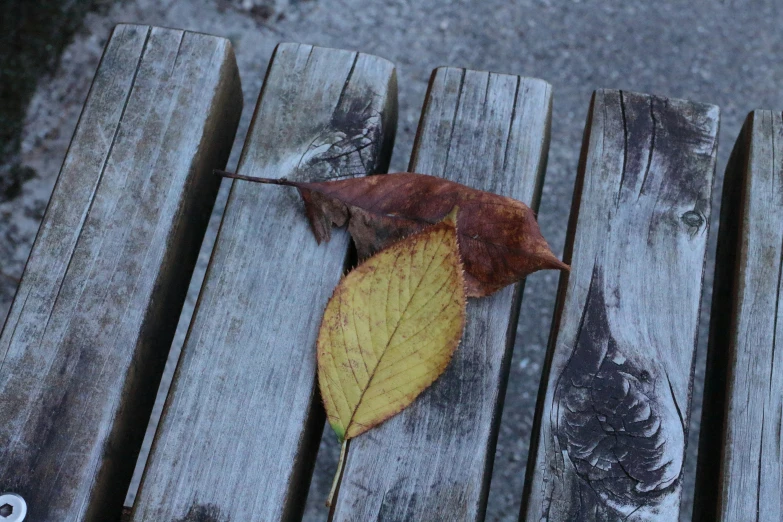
610	422
693	219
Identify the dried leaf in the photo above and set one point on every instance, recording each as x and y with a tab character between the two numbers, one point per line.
390	329
500	241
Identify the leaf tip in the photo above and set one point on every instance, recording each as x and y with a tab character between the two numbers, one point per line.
556	264
549	261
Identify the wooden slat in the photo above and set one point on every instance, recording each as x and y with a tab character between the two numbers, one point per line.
740	471
242	422
87	336
612	417
433	461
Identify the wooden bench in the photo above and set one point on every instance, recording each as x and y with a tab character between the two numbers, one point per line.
82	350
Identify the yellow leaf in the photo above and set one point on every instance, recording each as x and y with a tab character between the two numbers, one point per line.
391	328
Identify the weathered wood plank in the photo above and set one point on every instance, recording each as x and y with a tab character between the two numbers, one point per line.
242	423
611	422
433	461
740	471
85	341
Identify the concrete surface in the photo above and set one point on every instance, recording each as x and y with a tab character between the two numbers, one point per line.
723	53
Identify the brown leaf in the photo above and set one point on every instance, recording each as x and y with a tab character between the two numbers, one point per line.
500	241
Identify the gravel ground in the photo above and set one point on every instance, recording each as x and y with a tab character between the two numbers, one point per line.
723	53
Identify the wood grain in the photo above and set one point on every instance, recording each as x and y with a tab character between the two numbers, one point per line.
740	470
85	341
433	461
242	422
611	422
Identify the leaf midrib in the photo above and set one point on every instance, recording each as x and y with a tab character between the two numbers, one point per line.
388	343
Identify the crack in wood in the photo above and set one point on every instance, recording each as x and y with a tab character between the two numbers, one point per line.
625	144
652	147
777	304
178	54
454	120
758	478
511	123
676	405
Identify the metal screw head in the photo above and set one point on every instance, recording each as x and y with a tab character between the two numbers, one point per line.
13	508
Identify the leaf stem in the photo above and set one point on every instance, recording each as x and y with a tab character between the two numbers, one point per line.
338	474
268	181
